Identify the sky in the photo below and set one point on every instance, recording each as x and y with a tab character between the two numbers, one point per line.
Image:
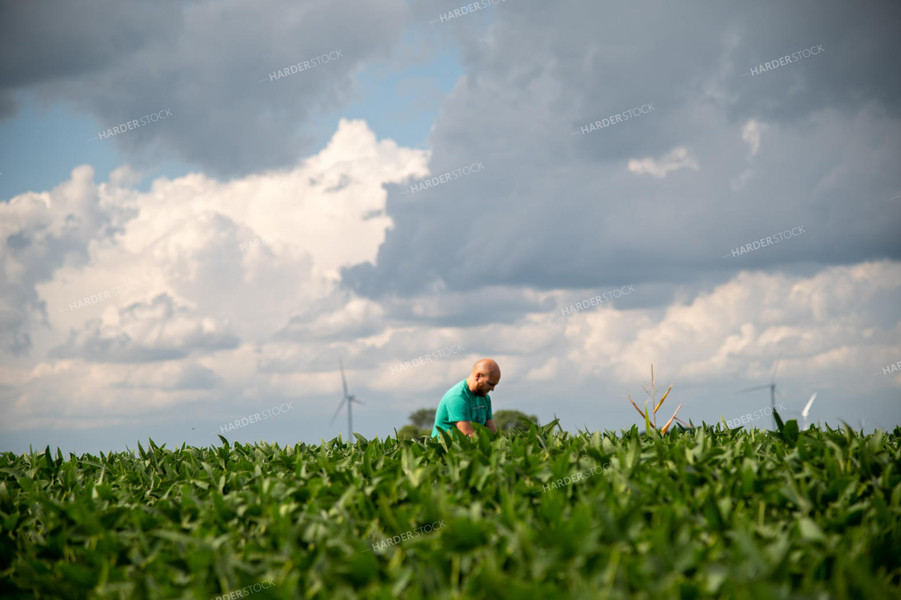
207	207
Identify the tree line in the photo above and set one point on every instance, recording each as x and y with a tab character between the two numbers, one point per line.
423	420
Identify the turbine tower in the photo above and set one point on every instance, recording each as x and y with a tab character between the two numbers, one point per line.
772	386
350	399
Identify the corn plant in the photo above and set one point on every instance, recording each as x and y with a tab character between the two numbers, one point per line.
651	396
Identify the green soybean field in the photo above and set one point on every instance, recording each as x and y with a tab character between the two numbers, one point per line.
701	512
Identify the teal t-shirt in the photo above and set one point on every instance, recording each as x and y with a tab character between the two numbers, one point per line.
459	404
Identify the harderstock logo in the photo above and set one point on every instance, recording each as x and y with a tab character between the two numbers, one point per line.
241	593
466	9
621	117
255	418
578	476
890	368
595	300
749	418
431	182
766	241
407	535
418	362
133	124
304	65
105	295
259	242
774	64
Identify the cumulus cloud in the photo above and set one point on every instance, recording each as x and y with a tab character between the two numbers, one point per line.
43	232
821	326
194	268
157	331
205	243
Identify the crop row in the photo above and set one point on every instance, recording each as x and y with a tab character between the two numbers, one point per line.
703	512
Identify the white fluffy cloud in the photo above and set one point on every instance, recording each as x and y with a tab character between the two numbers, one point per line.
191	275
825	327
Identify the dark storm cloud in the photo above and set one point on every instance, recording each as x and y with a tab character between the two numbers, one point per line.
43	41
208	62
558	206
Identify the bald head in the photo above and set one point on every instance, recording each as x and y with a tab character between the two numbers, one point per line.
486	374
486	366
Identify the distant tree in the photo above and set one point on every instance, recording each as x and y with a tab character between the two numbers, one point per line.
424	418
412	432
513	419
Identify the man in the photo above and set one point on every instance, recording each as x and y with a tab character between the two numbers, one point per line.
468	401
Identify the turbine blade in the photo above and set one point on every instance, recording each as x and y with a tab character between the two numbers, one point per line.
776	369
806	410
755	388
343	381
340	405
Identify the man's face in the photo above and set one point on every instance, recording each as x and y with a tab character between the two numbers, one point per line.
486	382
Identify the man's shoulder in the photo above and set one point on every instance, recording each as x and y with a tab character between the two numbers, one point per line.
455	391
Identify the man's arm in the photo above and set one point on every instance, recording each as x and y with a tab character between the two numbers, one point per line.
465	427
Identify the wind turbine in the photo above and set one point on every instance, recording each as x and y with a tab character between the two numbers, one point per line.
806	410
772	386
350	399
